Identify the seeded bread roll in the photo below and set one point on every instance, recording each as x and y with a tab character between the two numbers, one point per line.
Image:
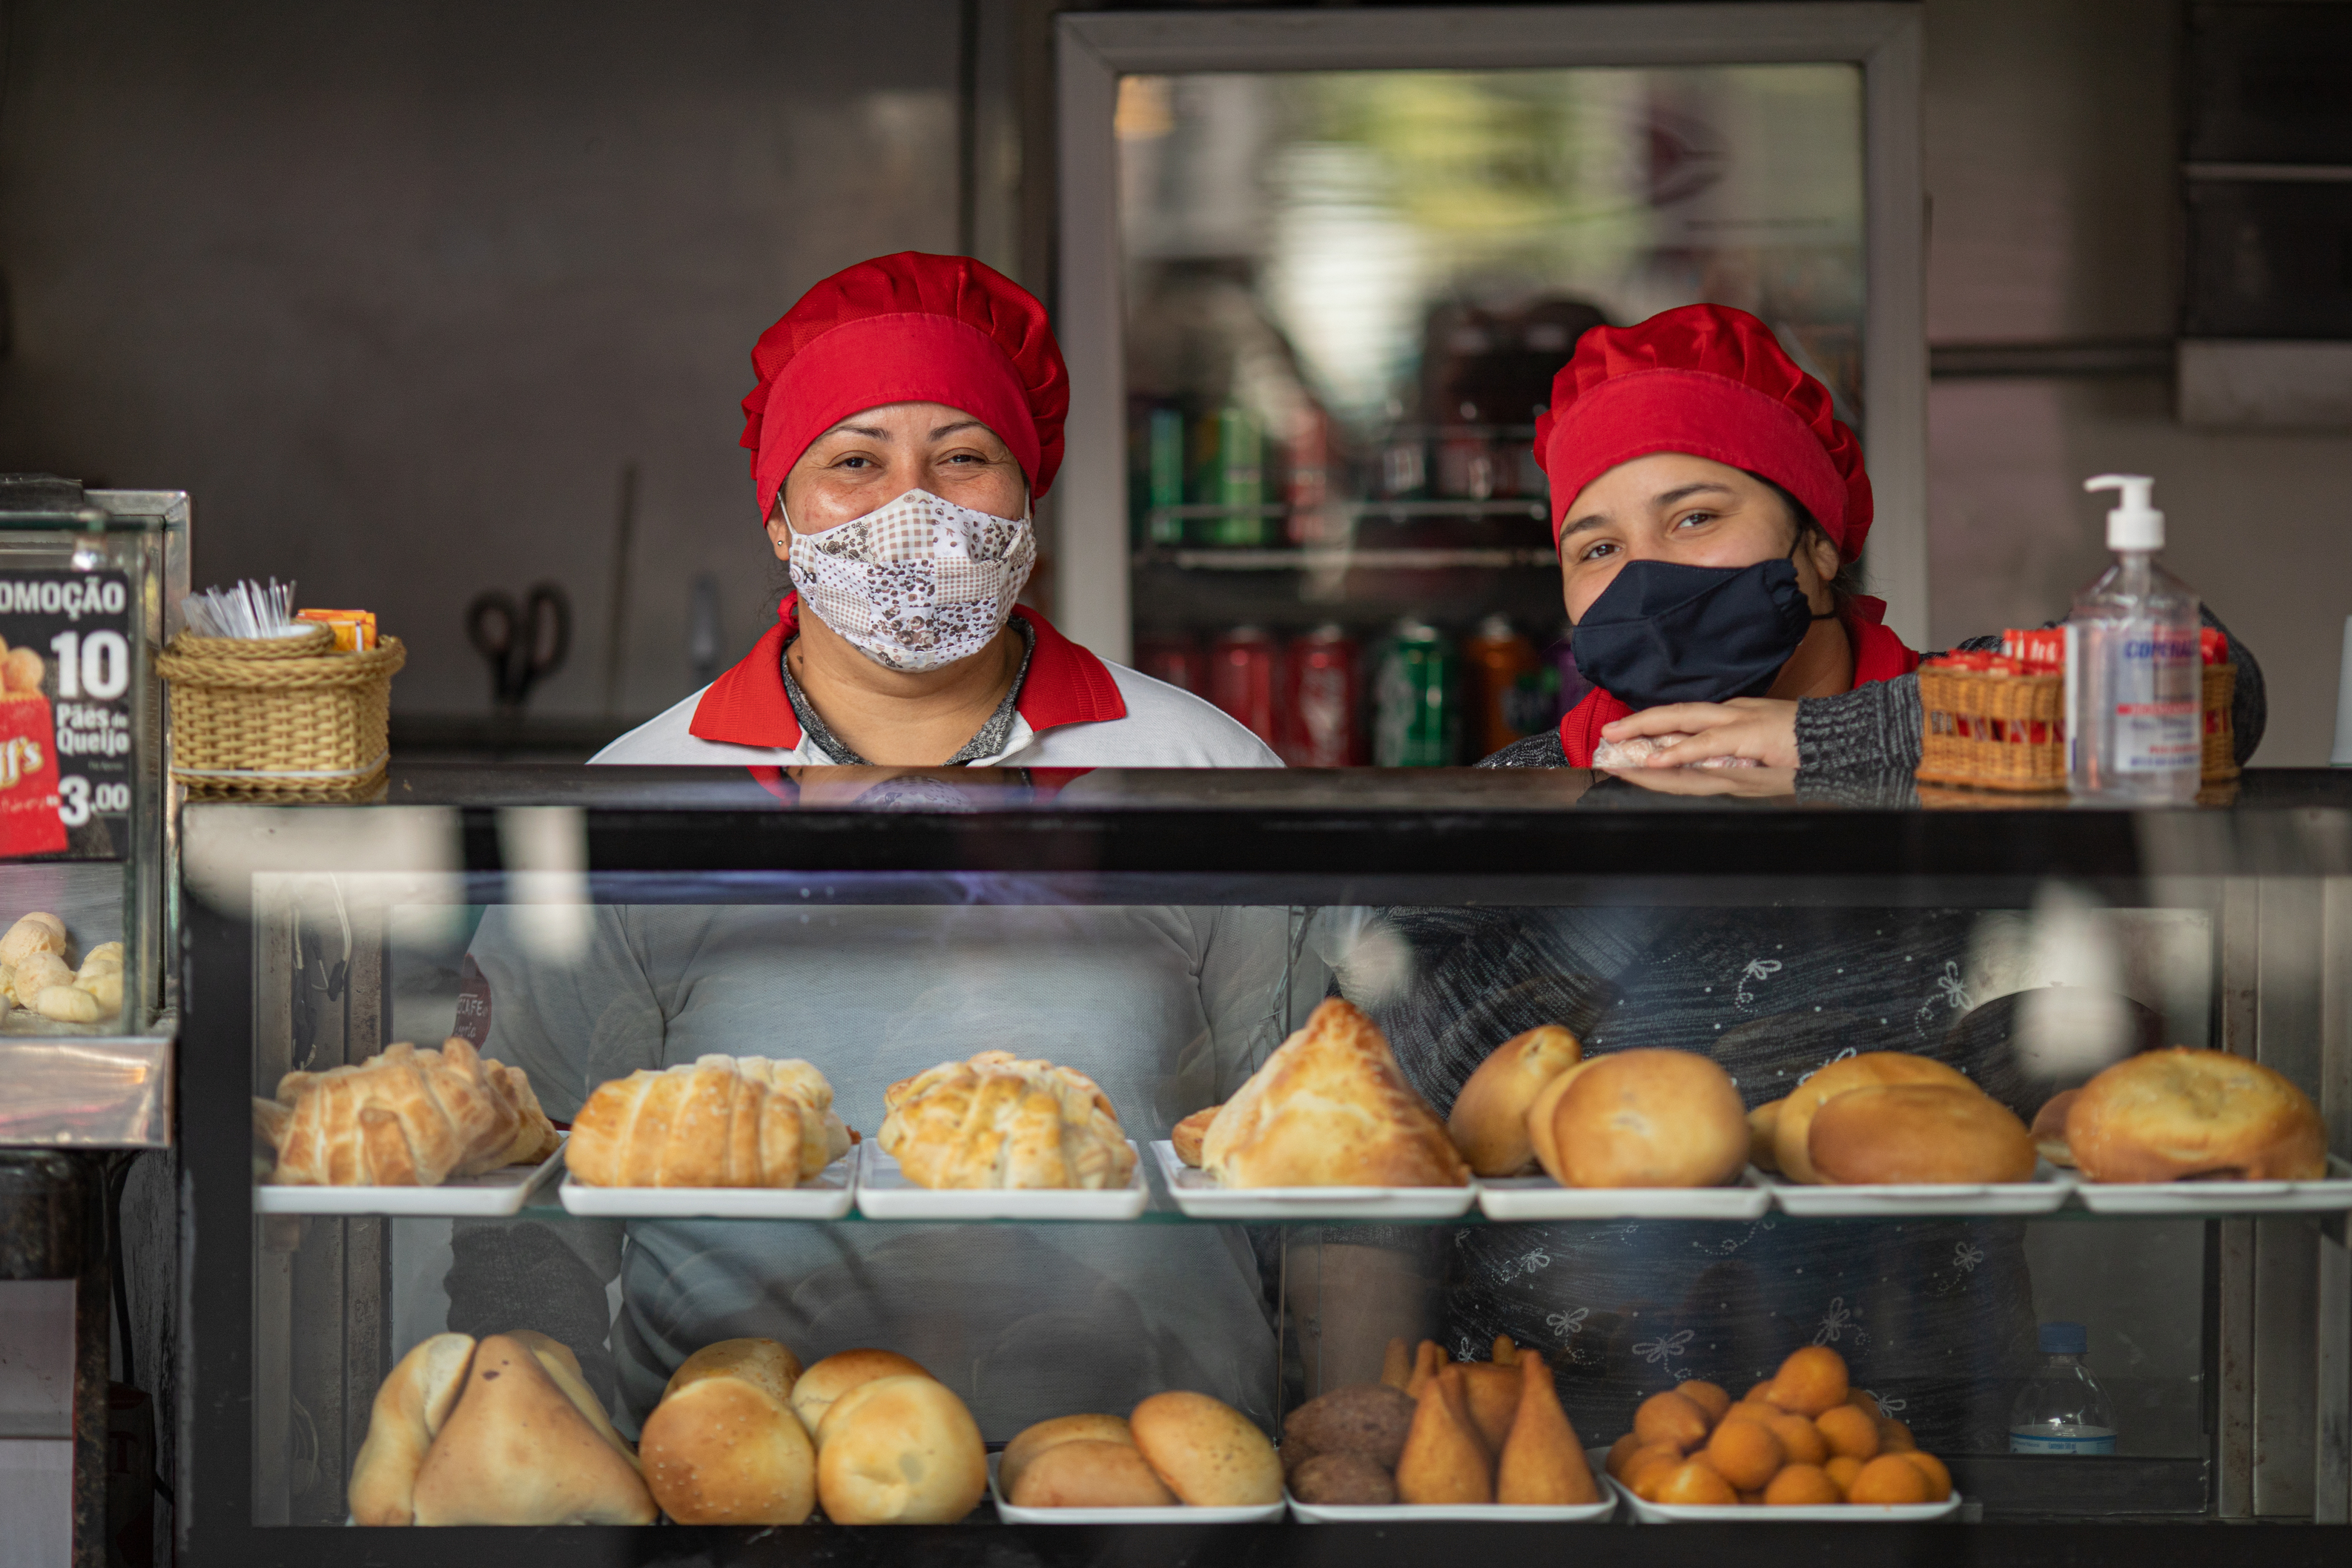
906	1452
2184	1116
723	1446
1489	1123
1209	1454
1931	1132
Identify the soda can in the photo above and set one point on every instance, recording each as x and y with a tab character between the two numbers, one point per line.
1240	479
1323	700
1179	661
1504	673
1416	716
1245	680
1164	474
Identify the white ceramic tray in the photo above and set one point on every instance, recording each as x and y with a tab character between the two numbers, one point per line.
825	1196
884	1193
1541	1197
1478	1512
489	1195
1257	1513
1748	1513
1198	1195
2220	1197
2046	1193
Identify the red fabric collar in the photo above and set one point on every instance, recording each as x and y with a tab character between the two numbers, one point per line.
747	706
1878	656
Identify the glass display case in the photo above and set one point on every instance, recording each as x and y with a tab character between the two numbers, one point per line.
1332	265
1165	933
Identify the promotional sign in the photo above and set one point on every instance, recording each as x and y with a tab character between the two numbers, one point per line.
65	714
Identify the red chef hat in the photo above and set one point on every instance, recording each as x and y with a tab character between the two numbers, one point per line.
1712	382
909	328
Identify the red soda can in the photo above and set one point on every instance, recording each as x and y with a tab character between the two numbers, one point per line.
1245	680
1323	710
1179	661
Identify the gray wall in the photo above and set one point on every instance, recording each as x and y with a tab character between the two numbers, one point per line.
2052	161
396	290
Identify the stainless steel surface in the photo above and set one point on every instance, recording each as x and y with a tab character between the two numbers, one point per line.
2227	383
99	1091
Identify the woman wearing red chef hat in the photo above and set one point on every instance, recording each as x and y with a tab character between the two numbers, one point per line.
907	418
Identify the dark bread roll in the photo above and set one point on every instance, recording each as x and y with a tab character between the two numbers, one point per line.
1344	1479
1367	1418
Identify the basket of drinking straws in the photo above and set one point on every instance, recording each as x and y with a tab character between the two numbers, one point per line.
266	704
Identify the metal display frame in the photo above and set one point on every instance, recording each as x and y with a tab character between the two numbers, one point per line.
1095	49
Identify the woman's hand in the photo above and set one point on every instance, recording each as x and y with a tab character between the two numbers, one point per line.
1761	730
1737	783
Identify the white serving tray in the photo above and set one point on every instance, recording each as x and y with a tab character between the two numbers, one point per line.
884	1193
2332	1193
1199	1195
1750	1513
1255	1513
1441	1512
825	1196
489	1195
2046	1193
1541	1197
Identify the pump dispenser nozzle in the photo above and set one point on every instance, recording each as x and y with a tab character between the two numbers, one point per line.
2134	524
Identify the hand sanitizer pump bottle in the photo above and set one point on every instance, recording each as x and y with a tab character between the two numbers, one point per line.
2133	718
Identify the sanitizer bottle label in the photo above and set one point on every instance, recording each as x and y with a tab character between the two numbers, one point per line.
2157	714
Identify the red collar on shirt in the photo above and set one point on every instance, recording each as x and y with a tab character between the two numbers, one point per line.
1878	656
747	706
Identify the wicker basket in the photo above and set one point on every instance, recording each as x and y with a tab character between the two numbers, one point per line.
284	719
2220	760
1988	731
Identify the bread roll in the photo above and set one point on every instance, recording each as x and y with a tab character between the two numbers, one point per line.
1208	1453
1088	1473
1343	1478
723	1446
521	1450
815	1390
907	1454
721	1122
1186	1135
1763	1134
409	1408
1540	1115
2049	1128
1034	1441
998	1122
36	933
1330	1108
1489	1124
1649	1118
2186	1115
1368	1418
1931	1132
1795	1123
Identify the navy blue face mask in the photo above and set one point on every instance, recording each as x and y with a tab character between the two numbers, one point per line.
1664	632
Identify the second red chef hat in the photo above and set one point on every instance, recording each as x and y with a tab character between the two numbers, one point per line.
1715	382
909	328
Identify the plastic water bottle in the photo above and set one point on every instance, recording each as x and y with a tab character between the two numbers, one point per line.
2135	719
2062	1410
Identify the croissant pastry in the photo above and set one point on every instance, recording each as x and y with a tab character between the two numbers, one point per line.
998	1121
407	1118
724	1120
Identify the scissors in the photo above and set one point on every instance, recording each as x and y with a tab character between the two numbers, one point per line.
524	644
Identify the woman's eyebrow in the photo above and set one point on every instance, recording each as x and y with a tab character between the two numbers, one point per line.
945	430
1685	492
871	432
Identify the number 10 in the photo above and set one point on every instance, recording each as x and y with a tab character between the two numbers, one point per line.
97	666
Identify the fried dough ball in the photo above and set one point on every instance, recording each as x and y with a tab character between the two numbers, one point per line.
1939	1479
1647	1470
1623	1450
1759	1395
1848	1431
1800	1439
1747	1453
1811	1381
1697	1483
1866	1402
1889	1479
1802	1485
1894	1438
1842	1470
1670	1418
1707	1396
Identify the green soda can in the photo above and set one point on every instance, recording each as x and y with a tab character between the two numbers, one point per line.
1416	714
1240	479
1164	474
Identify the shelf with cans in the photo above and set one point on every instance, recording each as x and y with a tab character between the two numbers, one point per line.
1390	600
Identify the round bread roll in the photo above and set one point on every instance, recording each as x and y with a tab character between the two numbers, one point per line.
1209	1454
723	1446
815	1390
2049	1128
1540	1114
1032	1441
1489	1124
1795	1123
1931	1132
907	1453
1368	1418
1088	1473
2182	1114
1763	1131
1343	1478
1648	1118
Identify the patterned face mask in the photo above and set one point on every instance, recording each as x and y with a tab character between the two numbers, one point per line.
917	583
